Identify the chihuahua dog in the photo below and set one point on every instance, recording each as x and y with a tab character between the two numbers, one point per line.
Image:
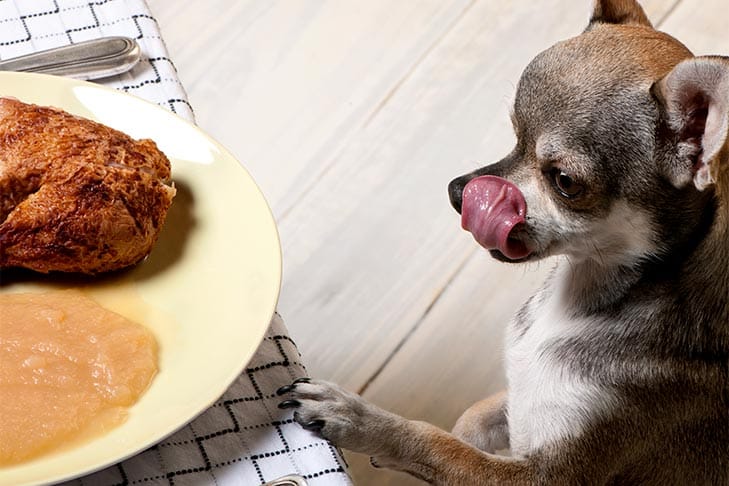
618	368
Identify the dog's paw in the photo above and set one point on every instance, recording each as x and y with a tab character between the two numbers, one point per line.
351	422
339	416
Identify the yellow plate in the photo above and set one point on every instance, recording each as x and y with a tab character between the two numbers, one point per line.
207	291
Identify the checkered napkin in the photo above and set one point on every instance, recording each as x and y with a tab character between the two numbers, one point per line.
243	439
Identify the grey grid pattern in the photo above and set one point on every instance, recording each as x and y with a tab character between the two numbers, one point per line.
243	439
28	26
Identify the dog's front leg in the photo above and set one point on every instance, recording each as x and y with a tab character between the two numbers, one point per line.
418	448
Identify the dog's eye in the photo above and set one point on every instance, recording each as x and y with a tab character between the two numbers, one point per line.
565	184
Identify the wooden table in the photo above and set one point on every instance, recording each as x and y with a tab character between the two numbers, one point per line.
353	116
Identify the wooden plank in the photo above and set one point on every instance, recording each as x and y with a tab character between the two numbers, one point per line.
353	122
453	358
283	84
392	161
456	351
374	241
657	10
371	245
700	24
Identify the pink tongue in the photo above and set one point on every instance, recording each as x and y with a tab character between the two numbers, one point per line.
491	208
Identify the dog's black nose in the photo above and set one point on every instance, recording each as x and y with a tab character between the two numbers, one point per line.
455	191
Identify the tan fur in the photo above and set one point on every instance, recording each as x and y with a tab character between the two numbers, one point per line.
484	424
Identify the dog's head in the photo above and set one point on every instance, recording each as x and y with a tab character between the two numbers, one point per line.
616	133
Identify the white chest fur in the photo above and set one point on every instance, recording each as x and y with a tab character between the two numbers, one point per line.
547	401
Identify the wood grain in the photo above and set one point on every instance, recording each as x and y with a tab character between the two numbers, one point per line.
701	25
284	84
442	388
377	232
353	116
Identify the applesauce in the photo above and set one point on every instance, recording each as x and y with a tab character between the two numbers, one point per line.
69	369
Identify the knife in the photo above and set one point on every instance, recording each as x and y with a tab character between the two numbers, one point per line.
91	59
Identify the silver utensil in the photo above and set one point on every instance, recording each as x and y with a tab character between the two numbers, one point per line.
92	59
292	480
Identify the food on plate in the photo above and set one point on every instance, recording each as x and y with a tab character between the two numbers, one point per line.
75	195
69	370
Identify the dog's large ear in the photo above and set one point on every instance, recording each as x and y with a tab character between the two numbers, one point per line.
694	98
618	12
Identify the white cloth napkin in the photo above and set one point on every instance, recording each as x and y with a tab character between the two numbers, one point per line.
243	439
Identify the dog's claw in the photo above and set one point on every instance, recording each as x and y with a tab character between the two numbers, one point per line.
314	425
289	404
285	389
289	388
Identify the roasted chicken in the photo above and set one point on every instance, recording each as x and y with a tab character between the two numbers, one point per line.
75	195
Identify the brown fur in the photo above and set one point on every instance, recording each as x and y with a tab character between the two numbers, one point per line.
618	12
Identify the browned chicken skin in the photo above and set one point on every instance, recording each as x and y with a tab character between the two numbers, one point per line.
75	195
